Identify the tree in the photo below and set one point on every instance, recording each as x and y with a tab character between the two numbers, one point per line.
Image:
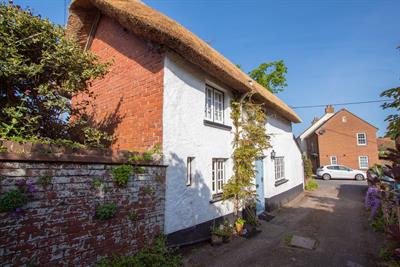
40	71
393	129
250	141
271	76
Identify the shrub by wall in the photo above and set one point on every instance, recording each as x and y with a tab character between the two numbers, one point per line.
74	213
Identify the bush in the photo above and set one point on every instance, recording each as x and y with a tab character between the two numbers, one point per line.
157	255
106	211
12	200
311	184
308	172
121	174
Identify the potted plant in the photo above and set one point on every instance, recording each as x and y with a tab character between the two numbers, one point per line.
217	235
239	224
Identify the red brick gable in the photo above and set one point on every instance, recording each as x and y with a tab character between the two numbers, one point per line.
133	88
338	137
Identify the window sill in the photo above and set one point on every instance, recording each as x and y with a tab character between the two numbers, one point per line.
216	197
281	182
217	125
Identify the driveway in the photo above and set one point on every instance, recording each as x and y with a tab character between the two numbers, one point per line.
333	215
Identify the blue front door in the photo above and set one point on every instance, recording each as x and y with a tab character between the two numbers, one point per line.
260	206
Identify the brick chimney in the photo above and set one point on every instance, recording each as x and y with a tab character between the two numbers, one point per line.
329	109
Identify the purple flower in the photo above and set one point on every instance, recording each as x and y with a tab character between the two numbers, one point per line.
20	182
18	210
372	201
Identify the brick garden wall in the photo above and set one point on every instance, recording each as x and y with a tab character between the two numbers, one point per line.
58	227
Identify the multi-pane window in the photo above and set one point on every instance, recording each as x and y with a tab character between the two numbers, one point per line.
333	160
214	107
279	168
363	162
361	139
218	175
189	169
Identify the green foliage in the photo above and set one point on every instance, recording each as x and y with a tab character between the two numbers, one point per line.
3	149
45	180
139	169
393	129
308	172
97	182
12	200
133	216
311	184
250	140
271	76
378	223
147	190
240	221
41	70
106	211
121	174
158	255
288	239
224	230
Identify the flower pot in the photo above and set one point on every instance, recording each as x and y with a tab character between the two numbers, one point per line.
239	227
216	240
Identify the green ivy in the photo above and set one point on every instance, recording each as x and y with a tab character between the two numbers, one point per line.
12	200
121	174
133	216
106	211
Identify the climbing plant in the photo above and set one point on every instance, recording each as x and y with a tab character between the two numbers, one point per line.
250	140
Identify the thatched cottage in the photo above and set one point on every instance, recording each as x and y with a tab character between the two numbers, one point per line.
173	89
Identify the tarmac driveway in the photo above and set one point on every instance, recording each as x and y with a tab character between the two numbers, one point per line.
333	215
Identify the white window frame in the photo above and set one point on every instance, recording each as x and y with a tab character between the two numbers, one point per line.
279	163
358	139
189	170
218	175
360	160
214	104
334	160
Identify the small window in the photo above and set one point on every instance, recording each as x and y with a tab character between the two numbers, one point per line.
279	168
218	175
334	160
363	162
214	106
189	169
361	139
344	119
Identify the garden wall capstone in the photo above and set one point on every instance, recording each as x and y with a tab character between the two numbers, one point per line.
59	227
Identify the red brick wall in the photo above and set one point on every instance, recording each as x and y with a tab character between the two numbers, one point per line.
57	226
132	90
340	139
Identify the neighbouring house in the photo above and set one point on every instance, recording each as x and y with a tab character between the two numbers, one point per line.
340	138
171	88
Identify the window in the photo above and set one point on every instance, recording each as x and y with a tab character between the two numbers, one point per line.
279	168
189	169
344	119
214	108
363	162
218	175
361	139
333	160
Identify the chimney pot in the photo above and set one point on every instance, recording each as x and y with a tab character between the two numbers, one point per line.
329	109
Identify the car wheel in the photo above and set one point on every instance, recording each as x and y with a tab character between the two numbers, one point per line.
326	176
359	177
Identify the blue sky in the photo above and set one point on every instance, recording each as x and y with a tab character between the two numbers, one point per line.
336	51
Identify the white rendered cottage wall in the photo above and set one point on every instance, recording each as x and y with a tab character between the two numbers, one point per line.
185	135
283	143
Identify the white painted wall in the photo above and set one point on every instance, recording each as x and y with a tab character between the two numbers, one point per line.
283	143
185	135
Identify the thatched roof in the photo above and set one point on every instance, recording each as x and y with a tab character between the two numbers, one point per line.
151	25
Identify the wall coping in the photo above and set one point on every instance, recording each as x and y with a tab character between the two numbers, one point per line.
29	152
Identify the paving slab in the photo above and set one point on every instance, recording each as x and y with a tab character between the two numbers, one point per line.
303	242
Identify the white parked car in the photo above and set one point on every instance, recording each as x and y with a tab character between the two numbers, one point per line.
338	171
